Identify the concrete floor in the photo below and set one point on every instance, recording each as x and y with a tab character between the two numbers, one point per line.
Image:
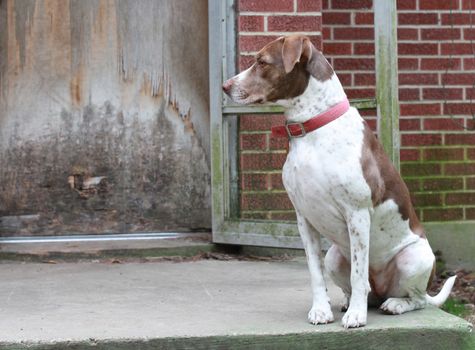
94	302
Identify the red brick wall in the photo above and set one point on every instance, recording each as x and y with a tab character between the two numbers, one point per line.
436	77
262	157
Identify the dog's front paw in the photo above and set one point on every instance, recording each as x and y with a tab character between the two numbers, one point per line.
354	318
319	314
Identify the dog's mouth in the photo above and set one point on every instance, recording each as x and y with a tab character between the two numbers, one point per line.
243	98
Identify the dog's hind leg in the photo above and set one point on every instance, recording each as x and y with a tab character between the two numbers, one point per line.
408	286
321	310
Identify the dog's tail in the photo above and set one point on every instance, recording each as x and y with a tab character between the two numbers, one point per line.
444	293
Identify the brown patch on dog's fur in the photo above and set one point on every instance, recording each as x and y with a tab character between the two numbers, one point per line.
384	180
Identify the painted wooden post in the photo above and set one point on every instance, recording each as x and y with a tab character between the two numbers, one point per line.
385	27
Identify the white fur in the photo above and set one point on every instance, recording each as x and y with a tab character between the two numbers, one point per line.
324	179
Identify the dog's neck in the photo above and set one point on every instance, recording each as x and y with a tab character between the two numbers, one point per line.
317	98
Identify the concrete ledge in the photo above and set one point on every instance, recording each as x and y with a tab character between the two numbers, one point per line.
189	245
194	305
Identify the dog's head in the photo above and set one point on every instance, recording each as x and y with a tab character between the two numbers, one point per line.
281	71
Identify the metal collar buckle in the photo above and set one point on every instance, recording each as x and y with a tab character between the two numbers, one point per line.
289	134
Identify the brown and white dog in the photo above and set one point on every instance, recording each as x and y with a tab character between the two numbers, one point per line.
343	186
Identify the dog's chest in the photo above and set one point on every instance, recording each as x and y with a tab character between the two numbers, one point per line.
323	175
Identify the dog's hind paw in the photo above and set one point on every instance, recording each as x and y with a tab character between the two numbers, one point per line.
397	306
320	314
354	318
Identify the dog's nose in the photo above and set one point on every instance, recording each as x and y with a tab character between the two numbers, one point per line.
227	86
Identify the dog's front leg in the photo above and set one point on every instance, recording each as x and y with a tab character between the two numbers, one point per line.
321	311
358	228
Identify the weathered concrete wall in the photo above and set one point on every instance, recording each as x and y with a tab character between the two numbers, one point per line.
104	122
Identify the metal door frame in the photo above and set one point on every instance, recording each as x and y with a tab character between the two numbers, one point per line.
226	225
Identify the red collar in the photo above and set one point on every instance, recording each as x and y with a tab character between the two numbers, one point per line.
291	130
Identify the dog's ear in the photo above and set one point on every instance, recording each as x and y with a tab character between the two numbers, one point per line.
295	49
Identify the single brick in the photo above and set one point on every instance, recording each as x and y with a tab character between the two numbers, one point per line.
276	143
469	33
353	33
468	4
412	19
407	94
420	169
470	181
456	49
366	49
365	79
352	4
251	23
411	124
353	63
471	153
469	63
276	181
444	154
443	124
467	198
407	34
441	94
360	93
330	48
470	213
442	184
266	5
409	155
408	63
457	18
420	109
309	5
254	182
459	168
364	18
418	79
329	18
253	142
327	33
406	5
460	139
439	5
459	108
264	161
458	78
426	199
443	214
293	23
265	201
259	123
421	140
442	64
417	49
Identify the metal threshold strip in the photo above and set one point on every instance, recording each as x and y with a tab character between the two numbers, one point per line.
97	238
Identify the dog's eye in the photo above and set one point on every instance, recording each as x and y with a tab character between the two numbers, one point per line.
261	63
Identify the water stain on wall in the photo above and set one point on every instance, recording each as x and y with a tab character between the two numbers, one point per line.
104	118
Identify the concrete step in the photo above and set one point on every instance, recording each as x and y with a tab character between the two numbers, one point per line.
92	247
194	305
